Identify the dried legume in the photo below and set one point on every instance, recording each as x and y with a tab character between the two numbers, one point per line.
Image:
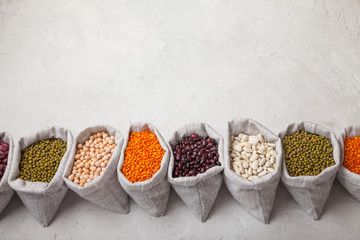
352	154
252	156
143	156
194	155
4	151
307	154
92	157
40	160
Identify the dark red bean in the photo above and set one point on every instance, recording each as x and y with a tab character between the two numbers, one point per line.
4	151
194	155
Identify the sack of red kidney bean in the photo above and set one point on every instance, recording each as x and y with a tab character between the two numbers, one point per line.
195	167
6	153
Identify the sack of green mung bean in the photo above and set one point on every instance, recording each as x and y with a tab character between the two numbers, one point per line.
349	180
7	150
93	158
37	169
196	165
253	161
311	161
142	168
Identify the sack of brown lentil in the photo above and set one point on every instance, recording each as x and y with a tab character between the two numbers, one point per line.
7	150
195	171
101	147
251	171
321	159
349	180
40	159
142	168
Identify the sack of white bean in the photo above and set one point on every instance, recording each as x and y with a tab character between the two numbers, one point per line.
195	171
91	168
152	193
349	180
41	196
310	191
253	156
6	192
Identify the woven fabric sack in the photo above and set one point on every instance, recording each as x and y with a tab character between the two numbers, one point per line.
40	198
6	192
104	191
349	180
152	194
311	192
256	197
198	192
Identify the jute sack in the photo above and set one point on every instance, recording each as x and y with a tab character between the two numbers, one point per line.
256	197
311	192
40	198
152	194
6	192
104	191
198	192
349	180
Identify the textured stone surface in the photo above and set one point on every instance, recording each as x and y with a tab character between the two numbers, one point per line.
170	62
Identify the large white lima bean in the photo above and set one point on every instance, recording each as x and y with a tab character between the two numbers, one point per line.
252	156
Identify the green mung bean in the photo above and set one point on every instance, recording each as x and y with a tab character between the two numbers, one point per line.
307	154
40	161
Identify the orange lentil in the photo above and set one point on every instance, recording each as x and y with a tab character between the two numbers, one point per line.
143	156
352	154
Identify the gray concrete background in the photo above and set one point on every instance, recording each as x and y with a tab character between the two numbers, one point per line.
170	62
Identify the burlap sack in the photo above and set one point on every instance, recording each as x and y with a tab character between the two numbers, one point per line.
349	180
311	192
6	192
152	194
256	197
198	192
40	198
104	191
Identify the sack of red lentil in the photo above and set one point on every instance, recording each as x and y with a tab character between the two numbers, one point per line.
349	180
151	194
256	196
104	190
42	199
7	149
311	192
198	192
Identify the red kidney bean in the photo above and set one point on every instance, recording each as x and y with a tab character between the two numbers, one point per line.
194	155
4	151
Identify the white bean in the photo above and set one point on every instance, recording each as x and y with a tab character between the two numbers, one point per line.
263	173
254	165
253	178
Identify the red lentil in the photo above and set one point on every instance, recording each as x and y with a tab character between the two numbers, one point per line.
143	156
352	154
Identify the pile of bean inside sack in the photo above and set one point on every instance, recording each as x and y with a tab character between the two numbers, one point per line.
194	155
